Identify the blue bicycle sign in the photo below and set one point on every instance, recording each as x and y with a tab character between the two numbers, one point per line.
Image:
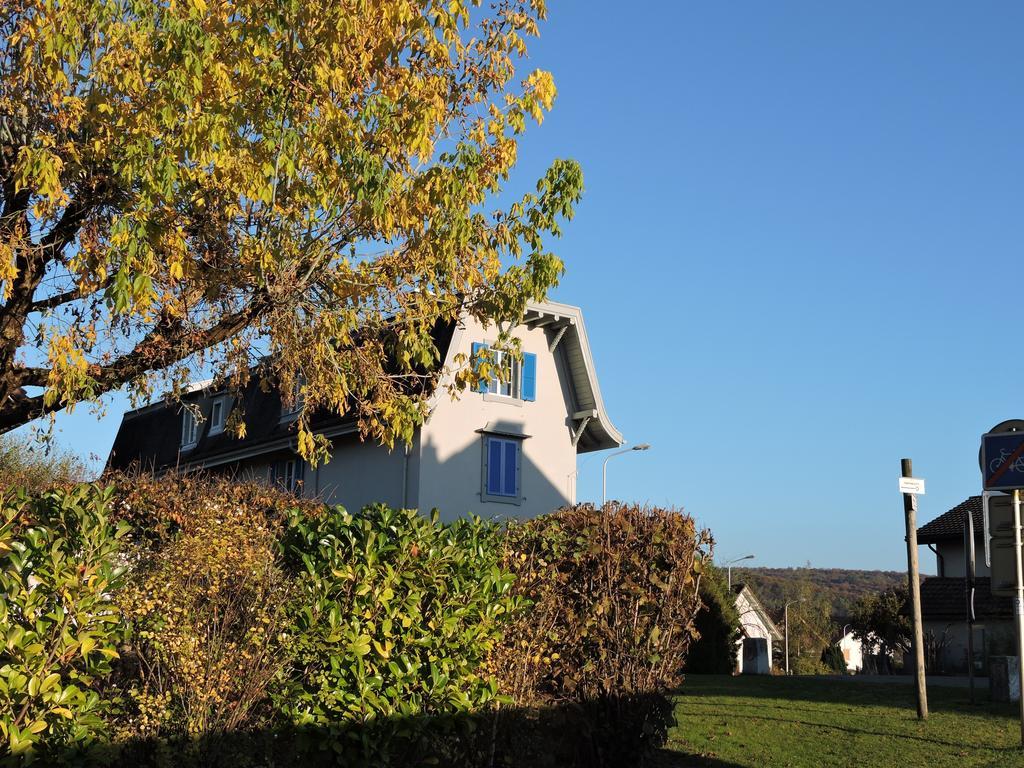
1002	461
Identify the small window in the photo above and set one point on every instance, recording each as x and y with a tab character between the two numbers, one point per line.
218	413
289	474
505	381
189	429
511	377
502	468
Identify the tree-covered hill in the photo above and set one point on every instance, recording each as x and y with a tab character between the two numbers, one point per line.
774	586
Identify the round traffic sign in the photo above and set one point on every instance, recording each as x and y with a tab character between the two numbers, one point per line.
1010	425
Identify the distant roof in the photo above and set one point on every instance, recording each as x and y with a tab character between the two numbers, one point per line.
943	598
950	525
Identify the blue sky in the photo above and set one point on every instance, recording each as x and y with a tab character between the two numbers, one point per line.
798	255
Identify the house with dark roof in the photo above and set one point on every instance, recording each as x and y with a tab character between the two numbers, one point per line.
946	597
507	449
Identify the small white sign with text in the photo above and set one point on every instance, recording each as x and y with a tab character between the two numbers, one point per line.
912	485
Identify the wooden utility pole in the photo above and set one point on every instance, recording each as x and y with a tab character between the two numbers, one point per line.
969	553
910	511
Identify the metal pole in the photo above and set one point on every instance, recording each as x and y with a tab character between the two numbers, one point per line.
1018	606
969	552
785	611
910	511
604	469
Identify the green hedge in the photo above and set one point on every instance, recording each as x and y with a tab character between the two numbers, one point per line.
190	621
718	627
396	618
58	619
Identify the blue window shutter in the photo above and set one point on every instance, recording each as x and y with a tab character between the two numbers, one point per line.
494	466
477	346
511	460
529	388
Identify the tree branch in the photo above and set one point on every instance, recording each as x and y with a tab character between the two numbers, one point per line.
167	343
59	299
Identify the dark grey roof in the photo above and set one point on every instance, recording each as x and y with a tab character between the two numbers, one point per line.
950	525
943	598
150	438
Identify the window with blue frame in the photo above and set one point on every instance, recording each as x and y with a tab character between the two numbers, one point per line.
502	469
510	377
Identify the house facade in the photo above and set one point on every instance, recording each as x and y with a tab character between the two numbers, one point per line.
508	449
945	597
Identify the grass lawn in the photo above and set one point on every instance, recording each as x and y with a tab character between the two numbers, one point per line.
726	722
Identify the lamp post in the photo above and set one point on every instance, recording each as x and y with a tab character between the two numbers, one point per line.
604	469
785	612
728	566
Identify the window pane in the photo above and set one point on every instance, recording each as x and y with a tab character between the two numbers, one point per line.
216	417
494	466
511	459
503	374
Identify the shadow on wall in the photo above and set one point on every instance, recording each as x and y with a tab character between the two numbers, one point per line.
454	485
600	734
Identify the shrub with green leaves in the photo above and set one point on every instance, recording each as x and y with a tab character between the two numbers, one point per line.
60	627
395	617
717	625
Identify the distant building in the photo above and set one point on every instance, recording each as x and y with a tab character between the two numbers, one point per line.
944	598
853	653
759	633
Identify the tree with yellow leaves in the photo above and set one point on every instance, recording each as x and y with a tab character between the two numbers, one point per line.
306	186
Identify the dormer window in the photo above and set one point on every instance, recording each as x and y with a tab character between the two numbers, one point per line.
512	378
505	381
218	415
189	429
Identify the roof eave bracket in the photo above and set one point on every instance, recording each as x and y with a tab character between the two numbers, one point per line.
578	433
558	337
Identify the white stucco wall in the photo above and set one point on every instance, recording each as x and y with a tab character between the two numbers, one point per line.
451	448
361	473
955	564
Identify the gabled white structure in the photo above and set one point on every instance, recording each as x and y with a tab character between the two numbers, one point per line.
758	631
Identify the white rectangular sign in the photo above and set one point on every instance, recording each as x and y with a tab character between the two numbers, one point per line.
914	485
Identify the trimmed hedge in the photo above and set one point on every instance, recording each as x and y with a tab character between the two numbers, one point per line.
613	596
216	623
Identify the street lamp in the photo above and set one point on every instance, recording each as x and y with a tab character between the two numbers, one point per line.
728	566
604	469
785	612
